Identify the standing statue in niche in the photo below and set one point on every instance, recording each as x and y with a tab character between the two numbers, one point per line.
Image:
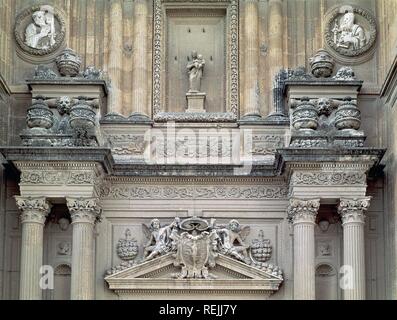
195	69
40	34
348	34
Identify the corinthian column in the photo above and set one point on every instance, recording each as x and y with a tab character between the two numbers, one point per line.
302	215
33	215
85	212
115	54
140	62
251	81
352	212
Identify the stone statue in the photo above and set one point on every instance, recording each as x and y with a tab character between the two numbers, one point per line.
160	241
348	34
195	69
232	240
40	34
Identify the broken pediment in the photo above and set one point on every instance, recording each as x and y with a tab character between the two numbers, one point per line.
159	275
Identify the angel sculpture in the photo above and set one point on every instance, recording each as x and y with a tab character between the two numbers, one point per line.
160	240
232	240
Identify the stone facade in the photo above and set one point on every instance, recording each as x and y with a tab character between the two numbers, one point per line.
233	149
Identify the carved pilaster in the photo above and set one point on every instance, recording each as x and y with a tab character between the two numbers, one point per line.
33	214
251	83
302	214
85	212
352	212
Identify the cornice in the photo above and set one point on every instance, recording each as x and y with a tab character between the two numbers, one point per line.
57	155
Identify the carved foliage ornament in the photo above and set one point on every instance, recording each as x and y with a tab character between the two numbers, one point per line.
84	209
353	210
33	209
350	31
39	30
300	210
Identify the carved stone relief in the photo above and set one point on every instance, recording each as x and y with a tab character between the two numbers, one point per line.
64	248
160	56
195	245
40	30
127	247
350	31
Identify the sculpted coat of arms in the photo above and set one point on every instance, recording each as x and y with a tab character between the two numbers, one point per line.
196	243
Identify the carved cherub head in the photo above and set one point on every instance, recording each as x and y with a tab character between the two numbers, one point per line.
63	224
155	224
234	225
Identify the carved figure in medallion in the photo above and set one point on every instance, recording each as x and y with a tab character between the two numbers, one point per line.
195	69
40	34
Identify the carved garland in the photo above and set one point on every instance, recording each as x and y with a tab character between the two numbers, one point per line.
233	100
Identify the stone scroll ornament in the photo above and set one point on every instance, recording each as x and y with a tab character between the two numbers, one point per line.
350	31
39	30
195	244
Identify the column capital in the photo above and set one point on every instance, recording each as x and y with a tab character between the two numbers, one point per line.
353	209
33	209
84	209
302	210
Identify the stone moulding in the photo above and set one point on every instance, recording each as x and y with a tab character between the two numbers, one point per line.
232	79
133	280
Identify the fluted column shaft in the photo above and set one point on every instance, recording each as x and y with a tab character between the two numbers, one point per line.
84	212
33	215
115	54
352	212
140	60
251	37
302	215
275	27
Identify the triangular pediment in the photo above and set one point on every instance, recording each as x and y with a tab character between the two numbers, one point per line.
229	274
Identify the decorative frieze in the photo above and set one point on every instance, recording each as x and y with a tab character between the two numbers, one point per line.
266	144
300	210
33	209
193	192
57	177
328	178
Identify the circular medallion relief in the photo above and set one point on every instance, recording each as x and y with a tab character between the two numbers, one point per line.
350	32
39	30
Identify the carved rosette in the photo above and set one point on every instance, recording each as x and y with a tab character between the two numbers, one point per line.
353	210
33	209
84	210
300	210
